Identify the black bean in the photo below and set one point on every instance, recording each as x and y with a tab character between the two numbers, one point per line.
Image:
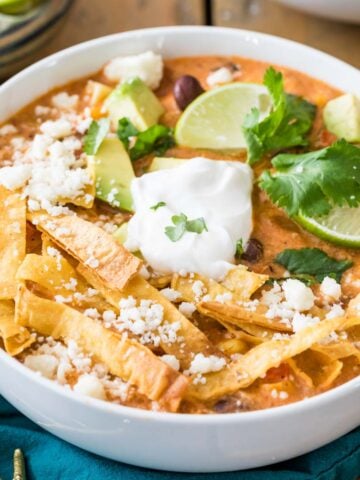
186	89
254	251
231	404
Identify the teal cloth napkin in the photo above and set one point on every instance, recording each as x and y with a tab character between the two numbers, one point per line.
52	459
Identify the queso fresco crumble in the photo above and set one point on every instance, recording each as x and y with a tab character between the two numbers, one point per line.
176	235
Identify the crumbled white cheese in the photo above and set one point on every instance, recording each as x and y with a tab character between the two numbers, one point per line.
42	111
90	386
283	395
19	143
220	76
15	177
71	285
201	364
49	170
83	125
199	289
224	297
92	262
330	288
53	252
148	66
145	320
298	295
92	313
44	364
273	296
39	146
172	361
109	316
301	321
64	101
187	308
171	294
62	299
70	361
56	128
7	129
335	312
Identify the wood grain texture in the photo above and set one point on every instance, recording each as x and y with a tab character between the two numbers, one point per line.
94	18
339	39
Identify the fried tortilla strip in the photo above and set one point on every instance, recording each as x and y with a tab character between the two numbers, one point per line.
124	357
255	363
193	341
338	350
33	239
190	287
12	240
238	315
243	283
239	284
252	334
299	374
92	246
322	370
58	277
16	338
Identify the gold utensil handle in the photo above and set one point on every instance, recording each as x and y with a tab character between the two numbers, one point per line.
19	465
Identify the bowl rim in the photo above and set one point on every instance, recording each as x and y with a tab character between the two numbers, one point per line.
307	404
310	403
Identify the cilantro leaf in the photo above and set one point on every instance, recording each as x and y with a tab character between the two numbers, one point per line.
197	226
156	139
176	232
95	135
182	225
126	130
158	205
286	126
239	248
316	181
312	262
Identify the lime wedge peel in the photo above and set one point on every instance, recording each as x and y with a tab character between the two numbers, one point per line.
341	226
214	119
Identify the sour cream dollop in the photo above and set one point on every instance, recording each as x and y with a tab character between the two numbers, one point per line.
218	191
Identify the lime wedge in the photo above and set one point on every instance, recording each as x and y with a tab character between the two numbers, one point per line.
341	226
214	119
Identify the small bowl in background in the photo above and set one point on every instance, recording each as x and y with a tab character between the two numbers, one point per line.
22	34
342	10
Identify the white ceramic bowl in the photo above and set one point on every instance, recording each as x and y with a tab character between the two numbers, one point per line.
189	443
343	10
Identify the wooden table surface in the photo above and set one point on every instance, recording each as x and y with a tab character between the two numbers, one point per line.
92	18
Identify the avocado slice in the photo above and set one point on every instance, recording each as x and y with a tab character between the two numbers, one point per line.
133	99
113	173
342	117
163	163
121	233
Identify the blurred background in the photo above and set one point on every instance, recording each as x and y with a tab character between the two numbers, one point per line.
32	29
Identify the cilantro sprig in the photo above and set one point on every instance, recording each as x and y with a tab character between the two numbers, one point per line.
239	248
286	126
158	205
181	224
156	139
312	264
95	135
314	182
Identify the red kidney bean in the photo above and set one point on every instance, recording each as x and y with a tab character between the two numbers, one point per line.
254	251
186	89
